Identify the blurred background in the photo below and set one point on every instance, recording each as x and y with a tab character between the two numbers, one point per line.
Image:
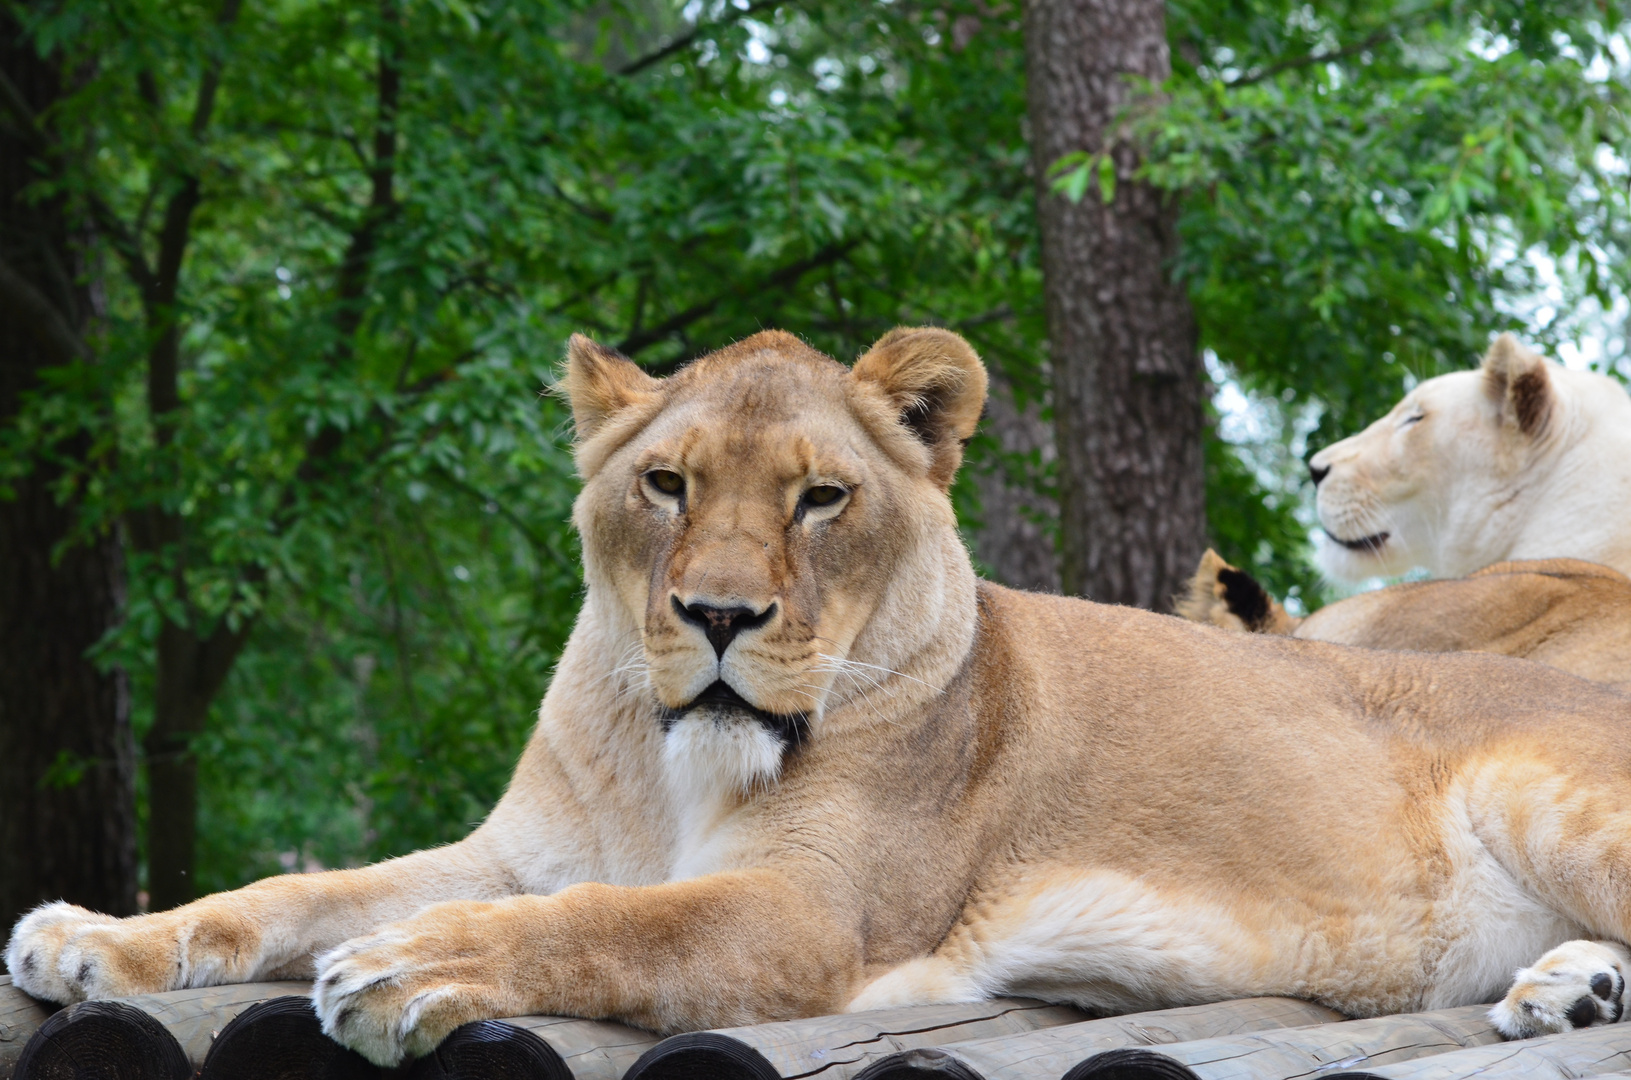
285	560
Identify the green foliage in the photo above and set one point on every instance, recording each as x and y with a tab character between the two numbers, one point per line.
401	211
361	465
1368	190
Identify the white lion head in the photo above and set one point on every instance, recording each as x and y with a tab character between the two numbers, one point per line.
1520	458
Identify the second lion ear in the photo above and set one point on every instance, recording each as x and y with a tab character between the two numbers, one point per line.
936	384
601	382
1519	381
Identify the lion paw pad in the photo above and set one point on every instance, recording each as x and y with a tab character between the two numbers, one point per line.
1576	985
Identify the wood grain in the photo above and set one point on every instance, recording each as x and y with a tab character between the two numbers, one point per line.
20	1017
1594	1052
1051	1052
1300	1051
281	1039
102	1040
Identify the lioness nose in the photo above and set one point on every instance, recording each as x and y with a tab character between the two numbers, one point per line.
1318	472
722	624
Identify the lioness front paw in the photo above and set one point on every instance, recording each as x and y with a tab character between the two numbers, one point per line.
398	992
35	949
1576	985
64	953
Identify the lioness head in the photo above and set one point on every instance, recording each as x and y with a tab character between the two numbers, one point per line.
773	530
1425	484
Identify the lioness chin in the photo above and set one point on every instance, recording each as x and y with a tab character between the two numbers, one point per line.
796	759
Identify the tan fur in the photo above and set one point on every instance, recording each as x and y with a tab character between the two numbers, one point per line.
1570	614
1207	600
949	790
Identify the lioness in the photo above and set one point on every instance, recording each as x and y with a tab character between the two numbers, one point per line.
796	759
1570	614
1521	459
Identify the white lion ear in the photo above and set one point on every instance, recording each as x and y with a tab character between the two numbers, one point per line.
600	383
936	385
1517	378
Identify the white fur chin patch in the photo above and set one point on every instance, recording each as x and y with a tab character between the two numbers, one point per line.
708	754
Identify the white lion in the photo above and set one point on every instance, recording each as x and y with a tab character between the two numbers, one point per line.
1520	459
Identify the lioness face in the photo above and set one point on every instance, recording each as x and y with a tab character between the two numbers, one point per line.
1419	486
750	514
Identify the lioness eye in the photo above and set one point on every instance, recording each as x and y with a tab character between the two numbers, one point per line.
666	481
824	495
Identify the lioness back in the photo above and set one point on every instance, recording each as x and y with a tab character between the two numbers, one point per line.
1573	615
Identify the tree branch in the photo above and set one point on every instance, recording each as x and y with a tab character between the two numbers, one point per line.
160	289
24	119
31	309
124	243
785	276
1313	59
685	41
359	254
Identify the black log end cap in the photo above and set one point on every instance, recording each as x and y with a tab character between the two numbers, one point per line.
1129	1065
490	1050
702	1055
102	1040
282	1039
925	1064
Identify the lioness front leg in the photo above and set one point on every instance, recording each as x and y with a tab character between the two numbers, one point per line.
1576	985
733	948
64	953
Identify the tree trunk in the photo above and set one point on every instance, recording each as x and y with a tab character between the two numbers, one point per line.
1128	407
1011	541
190	673
67	762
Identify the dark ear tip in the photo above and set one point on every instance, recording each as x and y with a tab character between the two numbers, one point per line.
1247	600
581	347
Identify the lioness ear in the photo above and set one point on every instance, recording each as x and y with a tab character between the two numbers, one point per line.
600	383
1517	378
935	383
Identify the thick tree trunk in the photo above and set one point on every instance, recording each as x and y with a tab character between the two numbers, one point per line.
1127	372
190	673
1011	540
67	763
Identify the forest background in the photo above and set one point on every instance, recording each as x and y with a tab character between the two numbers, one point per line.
290	427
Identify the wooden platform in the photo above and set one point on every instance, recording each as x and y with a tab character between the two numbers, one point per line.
268	1031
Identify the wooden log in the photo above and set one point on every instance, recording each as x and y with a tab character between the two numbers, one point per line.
1597	1052
181	1022
838	1046
282	1039
1049	1053
195	1017
102	1040
536	1048
20	1017
1269	1055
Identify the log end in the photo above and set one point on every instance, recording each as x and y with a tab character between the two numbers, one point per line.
924	1064
281	1039
1129	1064
102	1040
702	1055
491	1050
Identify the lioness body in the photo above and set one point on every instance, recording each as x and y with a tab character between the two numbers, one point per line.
796	759
1573	615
